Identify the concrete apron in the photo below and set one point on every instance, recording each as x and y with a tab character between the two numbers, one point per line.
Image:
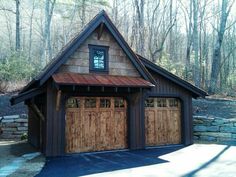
198	160
16	164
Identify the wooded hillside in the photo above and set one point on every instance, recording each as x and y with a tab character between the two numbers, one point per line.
194	39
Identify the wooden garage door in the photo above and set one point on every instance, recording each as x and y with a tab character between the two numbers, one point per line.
162	121
95	124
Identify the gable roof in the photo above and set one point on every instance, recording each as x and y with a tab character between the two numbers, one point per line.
196	92
70	48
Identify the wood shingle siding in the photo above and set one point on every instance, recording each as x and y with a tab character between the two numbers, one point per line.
119	64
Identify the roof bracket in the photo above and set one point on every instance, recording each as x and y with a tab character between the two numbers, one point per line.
100	30
35	108
58	100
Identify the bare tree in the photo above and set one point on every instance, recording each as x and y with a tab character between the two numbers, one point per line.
216	58
196	43
49	7
139	5
17	25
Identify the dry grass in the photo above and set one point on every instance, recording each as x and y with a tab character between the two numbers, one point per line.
6	87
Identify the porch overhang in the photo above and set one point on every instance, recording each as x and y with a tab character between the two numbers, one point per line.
99	80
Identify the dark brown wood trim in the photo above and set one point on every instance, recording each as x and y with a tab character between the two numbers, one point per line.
26	95
58	100
100	31
35	108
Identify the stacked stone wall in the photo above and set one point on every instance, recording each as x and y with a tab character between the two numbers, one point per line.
13	126
214	129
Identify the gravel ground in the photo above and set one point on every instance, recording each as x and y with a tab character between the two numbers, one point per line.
7	109
215	108
12	150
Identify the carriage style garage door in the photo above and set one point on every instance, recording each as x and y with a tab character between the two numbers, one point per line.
96	124
162	121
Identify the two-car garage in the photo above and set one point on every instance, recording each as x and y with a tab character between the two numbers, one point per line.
101	123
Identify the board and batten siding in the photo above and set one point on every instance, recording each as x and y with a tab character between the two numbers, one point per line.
166	88
119	64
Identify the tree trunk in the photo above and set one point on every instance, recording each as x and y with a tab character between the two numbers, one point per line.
17	25
216	58
189	42
196	44
140	17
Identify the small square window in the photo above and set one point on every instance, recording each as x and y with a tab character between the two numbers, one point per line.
119	103
98	58
105	103
73	103
149	102
161	102
173	102
90	103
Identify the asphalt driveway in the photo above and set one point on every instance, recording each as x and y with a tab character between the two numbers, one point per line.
196	160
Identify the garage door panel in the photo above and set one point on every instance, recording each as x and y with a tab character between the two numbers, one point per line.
96	125
162	121
120	124
150	126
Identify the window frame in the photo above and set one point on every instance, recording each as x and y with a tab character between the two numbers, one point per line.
93	48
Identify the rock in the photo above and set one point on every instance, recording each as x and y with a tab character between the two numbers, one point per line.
212	128
24	116
8	129
220	121
200	117
7	120
22	128
228	129
11	117
228	125
24	124
22	120
199	128
197	121
214	134
19	132
233	136
12	125
207	138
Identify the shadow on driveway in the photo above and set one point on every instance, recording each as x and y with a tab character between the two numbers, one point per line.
205	165
90	163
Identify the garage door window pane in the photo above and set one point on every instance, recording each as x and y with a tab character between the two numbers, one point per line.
105	103
173	102
161	102
73	103
119	103
90	103
149	102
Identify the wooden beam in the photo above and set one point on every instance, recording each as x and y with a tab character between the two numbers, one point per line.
128	89
100	30
35	108
58	100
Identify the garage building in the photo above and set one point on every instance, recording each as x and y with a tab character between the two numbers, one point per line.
97	94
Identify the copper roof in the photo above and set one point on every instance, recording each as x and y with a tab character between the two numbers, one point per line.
99	80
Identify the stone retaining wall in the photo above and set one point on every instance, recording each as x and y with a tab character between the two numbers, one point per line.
219	130
13	127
